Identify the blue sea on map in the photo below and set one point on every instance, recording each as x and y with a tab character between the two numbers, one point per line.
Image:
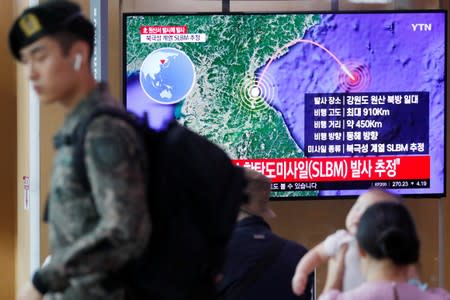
397	57
160	75
159	115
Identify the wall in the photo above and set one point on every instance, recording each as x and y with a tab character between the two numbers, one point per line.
8	159
445	211
22	244
214	5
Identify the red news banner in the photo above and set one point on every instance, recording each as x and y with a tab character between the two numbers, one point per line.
163	29
341	169
170	34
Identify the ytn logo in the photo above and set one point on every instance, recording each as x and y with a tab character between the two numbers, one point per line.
421	27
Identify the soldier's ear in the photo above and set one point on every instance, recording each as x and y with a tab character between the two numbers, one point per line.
77	61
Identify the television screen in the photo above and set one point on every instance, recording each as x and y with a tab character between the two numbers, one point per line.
324	104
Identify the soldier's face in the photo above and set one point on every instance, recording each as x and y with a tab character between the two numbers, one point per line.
49	70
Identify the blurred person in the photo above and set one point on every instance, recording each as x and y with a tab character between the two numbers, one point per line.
260	264
328	248
92	232
98	205
388	246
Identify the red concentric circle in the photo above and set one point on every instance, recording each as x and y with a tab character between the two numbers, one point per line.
359	81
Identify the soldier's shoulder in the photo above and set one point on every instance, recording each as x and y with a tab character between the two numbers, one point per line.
111	141
108	125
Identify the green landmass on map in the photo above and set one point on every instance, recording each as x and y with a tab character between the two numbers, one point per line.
234	50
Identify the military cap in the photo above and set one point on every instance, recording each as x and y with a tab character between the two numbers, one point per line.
49	18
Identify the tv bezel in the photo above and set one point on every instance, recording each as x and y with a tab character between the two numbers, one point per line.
125	15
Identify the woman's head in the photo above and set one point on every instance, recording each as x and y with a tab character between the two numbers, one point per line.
387	230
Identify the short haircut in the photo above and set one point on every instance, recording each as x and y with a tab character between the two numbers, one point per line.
66	41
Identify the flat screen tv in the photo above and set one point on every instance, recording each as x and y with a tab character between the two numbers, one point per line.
325	104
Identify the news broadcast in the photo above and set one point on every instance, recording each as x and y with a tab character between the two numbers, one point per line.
324	104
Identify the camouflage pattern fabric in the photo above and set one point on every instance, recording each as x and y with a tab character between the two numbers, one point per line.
94	233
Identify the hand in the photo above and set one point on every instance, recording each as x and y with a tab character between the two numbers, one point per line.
299	283
29	292
336	269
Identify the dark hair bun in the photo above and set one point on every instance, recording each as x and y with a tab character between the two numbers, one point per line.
387	230
395	244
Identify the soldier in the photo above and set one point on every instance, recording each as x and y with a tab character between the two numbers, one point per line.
94	231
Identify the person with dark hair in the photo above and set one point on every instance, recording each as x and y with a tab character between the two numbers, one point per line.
93	230
328	248
259	263
389	245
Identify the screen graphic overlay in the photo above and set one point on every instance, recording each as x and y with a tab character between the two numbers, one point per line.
324	104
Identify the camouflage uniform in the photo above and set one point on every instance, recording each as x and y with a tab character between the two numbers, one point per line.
94	233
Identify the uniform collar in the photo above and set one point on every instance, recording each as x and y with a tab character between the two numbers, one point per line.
253	220
84	108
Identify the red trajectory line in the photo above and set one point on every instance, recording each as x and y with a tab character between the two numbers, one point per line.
343	67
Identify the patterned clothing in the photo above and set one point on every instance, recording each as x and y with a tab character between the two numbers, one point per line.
95	232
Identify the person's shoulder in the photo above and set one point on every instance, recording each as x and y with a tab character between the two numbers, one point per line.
384	290
437	293
110	141
295	245
108	124
428	294
366	291
292	248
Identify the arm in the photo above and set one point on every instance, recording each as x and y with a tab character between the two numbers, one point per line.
335	272
312	259
115	169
